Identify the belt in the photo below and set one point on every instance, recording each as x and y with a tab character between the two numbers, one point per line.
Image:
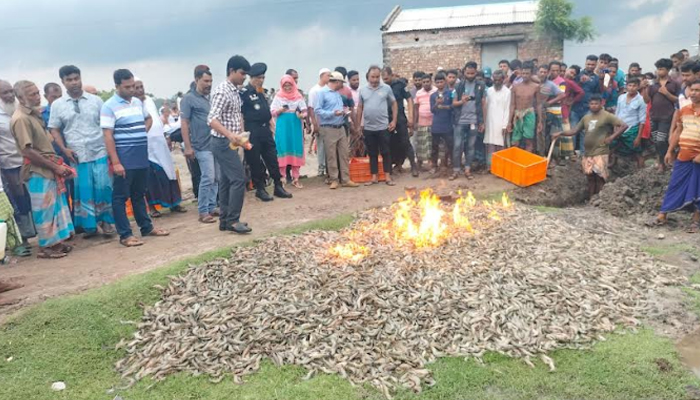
333	126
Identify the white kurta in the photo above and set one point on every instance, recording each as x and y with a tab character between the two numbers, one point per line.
158	151
497	113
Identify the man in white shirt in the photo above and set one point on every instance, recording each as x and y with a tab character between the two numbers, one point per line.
323	77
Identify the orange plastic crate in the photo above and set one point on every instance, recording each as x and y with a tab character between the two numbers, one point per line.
519	166
359	170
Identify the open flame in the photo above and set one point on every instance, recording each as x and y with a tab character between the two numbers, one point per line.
423	223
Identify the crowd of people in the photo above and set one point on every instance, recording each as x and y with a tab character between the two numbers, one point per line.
82	165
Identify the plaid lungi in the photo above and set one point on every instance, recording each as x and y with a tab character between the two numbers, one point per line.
423	143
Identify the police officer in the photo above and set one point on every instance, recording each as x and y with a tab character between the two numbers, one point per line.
257	116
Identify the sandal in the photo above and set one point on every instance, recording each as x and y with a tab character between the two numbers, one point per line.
47	253
156	214
22	251
207	219
656	222
694	227
370	183
65	248
178	209
390	183
297	184
130	242
158	232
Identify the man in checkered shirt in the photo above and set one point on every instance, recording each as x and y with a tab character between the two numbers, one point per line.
226	122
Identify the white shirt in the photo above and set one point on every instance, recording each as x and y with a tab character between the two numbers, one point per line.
313	93
9	153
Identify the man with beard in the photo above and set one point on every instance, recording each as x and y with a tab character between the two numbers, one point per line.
44	172
10	165
75	127
257	116
400	143
357	144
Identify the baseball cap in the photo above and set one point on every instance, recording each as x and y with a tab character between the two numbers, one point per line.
337	76
324	71
487	72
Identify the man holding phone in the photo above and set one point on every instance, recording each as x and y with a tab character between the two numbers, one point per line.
468	103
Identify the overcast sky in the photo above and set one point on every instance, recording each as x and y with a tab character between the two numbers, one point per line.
162	40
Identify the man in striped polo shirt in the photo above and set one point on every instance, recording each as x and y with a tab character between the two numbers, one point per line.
124	122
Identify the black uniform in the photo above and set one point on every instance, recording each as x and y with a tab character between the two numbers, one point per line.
400	144
256	115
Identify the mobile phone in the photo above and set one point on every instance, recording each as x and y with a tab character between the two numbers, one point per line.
286	107
606	71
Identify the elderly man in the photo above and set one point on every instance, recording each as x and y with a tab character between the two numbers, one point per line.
125	121
44	172
77	115
329	111
10	165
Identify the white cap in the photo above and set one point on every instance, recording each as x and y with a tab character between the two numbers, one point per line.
324	71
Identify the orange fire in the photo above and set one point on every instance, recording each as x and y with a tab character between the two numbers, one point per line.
423	223
350	251
426	223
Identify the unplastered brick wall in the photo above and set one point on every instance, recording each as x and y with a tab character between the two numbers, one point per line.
407	52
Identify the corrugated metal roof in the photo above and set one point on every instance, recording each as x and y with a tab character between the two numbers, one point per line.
421	19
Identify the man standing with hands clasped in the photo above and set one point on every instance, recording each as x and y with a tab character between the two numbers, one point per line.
330	112
375	101
226	122
125	121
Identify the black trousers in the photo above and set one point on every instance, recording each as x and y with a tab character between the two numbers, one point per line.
448	139
400	145
264	149
376	142
231	182
196	174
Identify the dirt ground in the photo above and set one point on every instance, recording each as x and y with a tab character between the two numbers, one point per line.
98	261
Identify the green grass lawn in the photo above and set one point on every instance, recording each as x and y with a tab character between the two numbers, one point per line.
72	339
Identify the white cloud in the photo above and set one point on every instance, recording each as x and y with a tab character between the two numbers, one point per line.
306	49
646	39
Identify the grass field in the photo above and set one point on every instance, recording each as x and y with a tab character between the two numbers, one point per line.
72	339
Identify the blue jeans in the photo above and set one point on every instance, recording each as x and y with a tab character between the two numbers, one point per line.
132	186
574	119
464	143
208	183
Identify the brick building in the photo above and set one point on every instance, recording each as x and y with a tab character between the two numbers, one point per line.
427	38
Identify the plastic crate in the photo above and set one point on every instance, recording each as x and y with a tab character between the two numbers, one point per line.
359	170
519	167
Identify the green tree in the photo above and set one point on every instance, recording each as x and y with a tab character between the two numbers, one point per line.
105	95
554	19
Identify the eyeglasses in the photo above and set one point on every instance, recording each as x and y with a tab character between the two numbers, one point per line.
76	107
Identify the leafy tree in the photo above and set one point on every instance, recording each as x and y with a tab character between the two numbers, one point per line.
554	19
105	95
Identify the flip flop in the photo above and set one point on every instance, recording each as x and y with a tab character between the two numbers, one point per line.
370	183
22	251
50	254
297	185
130	242
390	183
156	214
158	232
656	222
65	248
694	227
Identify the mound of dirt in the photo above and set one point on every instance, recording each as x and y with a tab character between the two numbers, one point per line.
566	185
639	194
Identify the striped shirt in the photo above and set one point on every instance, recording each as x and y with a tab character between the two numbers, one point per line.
690	135
226	108
128	121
